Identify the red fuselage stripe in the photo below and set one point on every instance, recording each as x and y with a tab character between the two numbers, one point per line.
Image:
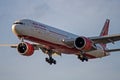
62	48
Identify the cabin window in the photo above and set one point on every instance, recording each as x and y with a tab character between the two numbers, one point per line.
18	23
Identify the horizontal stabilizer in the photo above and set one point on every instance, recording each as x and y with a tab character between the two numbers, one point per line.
112	50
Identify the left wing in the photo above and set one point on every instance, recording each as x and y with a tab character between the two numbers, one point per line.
96	40
87	42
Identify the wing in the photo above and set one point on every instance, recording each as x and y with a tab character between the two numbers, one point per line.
105	39
96	40
9	45
36	47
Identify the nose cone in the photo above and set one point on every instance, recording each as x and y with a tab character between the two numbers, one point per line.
14	29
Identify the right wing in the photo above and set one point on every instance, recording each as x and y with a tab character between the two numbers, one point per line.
36	47
9	45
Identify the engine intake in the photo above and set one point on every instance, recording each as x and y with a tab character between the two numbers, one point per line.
83	43
25	49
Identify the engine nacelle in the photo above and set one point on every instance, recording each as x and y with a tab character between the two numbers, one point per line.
25	49
83	43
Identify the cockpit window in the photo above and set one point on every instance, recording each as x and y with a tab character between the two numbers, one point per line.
18	23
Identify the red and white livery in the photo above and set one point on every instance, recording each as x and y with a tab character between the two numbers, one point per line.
55	41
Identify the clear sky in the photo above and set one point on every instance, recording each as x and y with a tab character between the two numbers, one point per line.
82	17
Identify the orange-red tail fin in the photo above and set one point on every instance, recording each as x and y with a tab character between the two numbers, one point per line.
105	30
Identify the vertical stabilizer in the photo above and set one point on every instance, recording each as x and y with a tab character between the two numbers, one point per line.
105	30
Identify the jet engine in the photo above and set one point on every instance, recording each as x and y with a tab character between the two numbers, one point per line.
25	49
83	43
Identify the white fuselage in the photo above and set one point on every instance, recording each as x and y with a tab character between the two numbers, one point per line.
51	37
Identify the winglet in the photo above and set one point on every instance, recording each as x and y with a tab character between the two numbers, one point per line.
105	28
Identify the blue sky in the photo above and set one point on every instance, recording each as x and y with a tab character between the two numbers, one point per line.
82	17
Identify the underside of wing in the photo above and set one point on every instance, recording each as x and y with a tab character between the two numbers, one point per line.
45	49
106	39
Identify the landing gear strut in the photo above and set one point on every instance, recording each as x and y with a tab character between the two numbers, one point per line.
50	60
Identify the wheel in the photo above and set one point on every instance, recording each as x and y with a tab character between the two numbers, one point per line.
54	61
50	63
50	60
86	59
47	60
82	59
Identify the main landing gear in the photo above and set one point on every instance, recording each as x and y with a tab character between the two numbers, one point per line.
49	52
82	57
50	60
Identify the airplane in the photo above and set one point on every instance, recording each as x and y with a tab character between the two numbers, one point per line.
52	41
